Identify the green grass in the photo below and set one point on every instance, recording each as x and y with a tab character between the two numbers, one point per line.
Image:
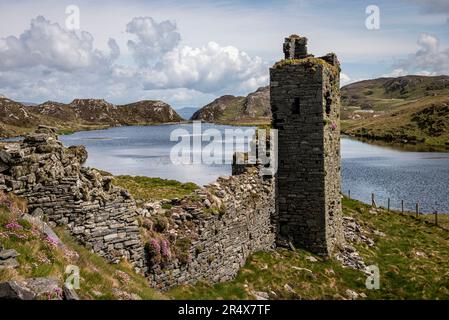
146	189
274	272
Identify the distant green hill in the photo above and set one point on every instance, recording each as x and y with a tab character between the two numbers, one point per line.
410	109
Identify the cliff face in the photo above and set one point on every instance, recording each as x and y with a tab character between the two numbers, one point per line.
17	119
228	109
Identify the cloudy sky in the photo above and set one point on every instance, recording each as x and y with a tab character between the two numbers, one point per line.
189	52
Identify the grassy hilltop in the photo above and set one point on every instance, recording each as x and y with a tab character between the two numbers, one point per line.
410	109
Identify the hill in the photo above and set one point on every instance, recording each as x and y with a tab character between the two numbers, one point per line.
252	109
410	109
81	114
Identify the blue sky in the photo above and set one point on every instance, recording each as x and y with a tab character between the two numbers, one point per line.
189	52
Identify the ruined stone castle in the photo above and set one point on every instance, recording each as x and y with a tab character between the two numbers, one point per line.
209	234
305	102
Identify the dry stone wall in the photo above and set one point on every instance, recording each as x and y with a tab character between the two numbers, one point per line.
51	177
205	236
211	233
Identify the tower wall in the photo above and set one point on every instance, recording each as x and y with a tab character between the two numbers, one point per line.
305	102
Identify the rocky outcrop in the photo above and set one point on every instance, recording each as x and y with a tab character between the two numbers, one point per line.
16	118
51	177
257	104
99	111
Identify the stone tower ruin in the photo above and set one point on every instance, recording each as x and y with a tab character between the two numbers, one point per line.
305	102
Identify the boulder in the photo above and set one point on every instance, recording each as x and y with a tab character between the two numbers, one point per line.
11	263
42	286
13	290
42	227
7	254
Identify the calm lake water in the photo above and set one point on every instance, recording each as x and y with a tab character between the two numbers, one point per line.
412	176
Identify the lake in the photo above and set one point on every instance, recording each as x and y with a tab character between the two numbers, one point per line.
401	175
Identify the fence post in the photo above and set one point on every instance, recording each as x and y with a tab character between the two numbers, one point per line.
417	209
436	217
388	204
349	194
373	201
402	205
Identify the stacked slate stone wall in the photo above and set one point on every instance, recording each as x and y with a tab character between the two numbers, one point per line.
51	177
223	224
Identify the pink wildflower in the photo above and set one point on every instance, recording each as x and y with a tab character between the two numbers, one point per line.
13	225
333	126
51	240
165	247
155	246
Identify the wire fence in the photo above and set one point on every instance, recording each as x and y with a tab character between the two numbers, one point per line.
436	218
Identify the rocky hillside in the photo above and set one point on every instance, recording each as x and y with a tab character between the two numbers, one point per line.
253	109
81	114
407	109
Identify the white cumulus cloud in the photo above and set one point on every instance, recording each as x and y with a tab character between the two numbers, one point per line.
49	62
430	58
47	44
153	39
211	68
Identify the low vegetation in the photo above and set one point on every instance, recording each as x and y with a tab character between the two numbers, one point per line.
147	189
